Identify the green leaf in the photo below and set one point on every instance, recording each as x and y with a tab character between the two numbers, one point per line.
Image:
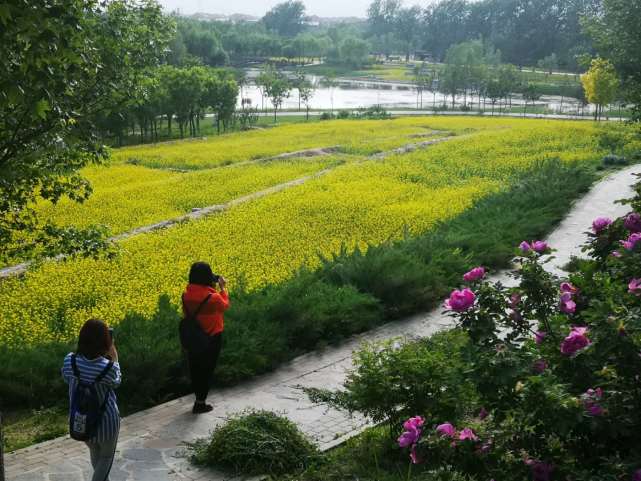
41	108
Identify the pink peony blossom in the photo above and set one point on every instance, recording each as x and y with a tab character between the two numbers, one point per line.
483	414
600	223
634	287
633	222
409	437
568	288
412	431
567	305
539	336
539	246
637	475
446	429
460	301
616	254
525	247
632	241
475	274
467	433
575	341
539	366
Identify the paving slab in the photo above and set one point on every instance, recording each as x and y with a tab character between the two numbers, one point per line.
152	442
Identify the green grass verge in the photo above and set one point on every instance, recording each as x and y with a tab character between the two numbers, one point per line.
349	294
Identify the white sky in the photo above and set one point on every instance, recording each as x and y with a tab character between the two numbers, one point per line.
324	8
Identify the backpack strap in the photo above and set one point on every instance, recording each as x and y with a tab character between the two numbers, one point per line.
104	372
195	314
100	377
74	367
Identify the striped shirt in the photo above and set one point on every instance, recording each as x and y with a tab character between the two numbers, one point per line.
89	370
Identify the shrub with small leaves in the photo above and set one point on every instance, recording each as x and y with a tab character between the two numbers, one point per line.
255	443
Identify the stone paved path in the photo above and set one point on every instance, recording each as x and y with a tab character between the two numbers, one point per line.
150	447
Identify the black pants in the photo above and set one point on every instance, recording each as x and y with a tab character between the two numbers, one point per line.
202	366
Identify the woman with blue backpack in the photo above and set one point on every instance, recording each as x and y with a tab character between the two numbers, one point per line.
93	373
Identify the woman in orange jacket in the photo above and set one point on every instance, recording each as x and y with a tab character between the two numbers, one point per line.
202	297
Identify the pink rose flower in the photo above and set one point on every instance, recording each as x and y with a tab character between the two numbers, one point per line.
566	287
467	433
539	246
460	301
539	366
575	341
567	305
633	222
446	429
634	287
412	431
600	223
539	336
632	241
415	422
409	437
475	274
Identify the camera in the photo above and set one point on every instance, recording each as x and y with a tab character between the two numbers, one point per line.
215	278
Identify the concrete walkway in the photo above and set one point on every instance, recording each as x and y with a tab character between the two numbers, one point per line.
151	449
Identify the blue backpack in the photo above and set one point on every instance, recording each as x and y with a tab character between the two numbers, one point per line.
86	410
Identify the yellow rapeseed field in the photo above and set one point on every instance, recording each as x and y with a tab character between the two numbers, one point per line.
359	203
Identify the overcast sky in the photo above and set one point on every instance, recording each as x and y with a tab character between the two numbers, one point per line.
324	8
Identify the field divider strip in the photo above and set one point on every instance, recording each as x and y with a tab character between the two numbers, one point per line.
199	213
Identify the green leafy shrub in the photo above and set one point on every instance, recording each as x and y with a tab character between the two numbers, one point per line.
256	443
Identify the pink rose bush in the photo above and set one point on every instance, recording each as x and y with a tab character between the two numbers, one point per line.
556	360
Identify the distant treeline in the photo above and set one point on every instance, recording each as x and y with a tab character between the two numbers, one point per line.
525	32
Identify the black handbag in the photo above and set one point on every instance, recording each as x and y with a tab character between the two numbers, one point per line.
192	337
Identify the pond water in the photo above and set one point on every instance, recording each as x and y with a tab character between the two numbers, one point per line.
354	94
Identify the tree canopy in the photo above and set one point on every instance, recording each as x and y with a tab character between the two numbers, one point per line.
286	18
65	63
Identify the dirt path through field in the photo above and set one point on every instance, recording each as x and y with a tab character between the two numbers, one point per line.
150	446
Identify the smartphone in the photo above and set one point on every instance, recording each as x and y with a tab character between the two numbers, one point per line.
111	333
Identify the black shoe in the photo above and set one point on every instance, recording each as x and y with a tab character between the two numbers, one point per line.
200	408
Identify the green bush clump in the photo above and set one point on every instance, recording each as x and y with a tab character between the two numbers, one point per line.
256	443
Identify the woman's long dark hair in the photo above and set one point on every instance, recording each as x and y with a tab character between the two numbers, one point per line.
94	339
201	273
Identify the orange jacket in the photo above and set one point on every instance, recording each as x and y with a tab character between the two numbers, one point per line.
210	316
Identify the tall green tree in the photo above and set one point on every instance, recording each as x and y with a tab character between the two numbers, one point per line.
287	18
616	33
66	63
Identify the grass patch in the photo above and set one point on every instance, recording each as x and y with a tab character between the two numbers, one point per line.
256	443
